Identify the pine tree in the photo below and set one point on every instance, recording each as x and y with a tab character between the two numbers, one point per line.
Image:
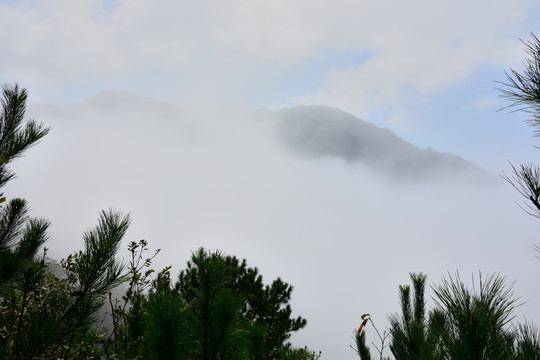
42	315
265	308
473	324
409	331
21	236
219	308
523	90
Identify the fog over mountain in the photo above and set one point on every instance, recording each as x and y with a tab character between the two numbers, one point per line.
337	207
328	132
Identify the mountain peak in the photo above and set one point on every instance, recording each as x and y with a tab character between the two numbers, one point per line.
326	132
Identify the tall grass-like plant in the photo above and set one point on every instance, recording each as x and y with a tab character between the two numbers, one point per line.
362	349
464	324
527	342
409	331
473	324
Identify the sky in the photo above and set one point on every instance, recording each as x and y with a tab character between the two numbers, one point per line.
426	70
423	69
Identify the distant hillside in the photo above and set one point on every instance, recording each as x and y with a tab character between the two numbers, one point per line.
321	131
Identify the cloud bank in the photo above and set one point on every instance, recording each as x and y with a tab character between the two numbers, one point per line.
344	235
224	51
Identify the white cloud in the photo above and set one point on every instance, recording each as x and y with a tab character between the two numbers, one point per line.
228	46
426	46
485	102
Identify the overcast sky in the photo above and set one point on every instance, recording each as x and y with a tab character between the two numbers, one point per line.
423	69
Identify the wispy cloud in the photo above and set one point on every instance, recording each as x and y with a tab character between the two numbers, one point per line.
484	102
227	45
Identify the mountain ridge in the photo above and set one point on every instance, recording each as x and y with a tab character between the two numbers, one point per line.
323	131
313	131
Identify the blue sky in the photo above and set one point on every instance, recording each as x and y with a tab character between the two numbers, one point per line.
422	69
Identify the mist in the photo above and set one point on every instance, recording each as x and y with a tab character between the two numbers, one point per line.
343	231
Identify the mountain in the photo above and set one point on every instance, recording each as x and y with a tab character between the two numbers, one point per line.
317	132
325	132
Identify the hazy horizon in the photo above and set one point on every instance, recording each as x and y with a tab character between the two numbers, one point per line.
344	235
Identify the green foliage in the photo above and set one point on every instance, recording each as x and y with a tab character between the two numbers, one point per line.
20	236
292	353
53	316
231	312
473	325
362	349
214	307
16	134
264	309
20	239
43	315
523	91
526	180
218	309
527	342
96	270
464	323
93	272
21	273
206	315
409	331
167	332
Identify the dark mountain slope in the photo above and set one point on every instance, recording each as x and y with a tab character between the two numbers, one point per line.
320	131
